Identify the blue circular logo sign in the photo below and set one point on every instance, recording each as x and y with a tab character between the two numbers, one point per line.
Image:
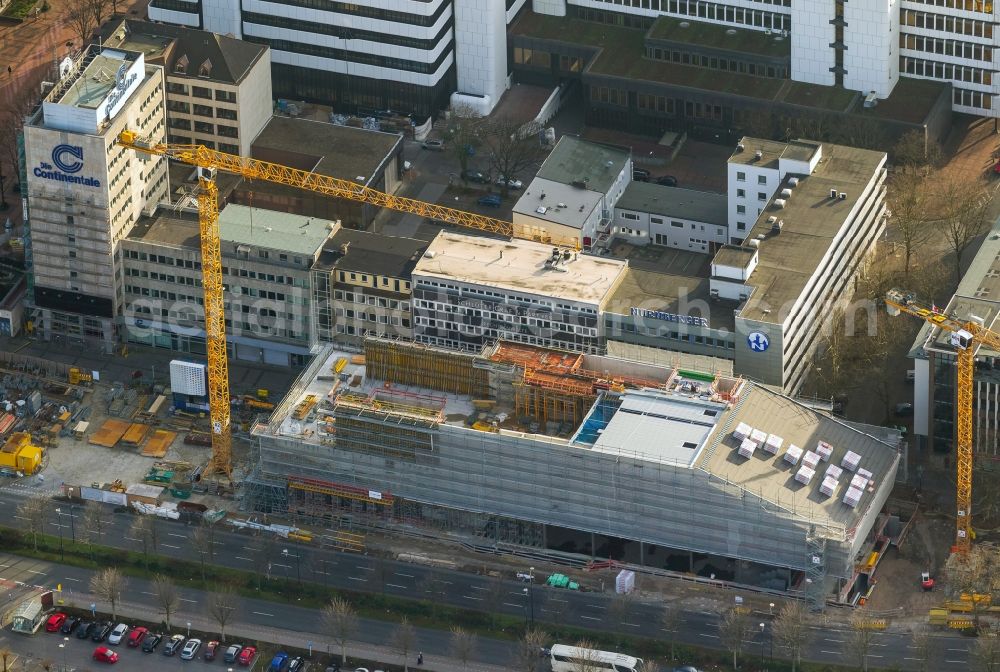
758	341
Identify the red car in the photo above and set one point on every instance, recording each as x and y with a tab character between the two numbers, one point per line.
105	655
247	655
136	636
55	622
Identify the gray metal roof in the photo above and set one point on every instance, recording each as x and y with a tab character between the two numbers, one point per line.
670	429
563	204
700	206
574	159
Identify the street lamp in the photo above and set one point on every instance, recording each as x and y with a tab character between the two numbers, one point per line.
72	523
62	553
762	644
189	629
770	609
530	593
298	566
62	646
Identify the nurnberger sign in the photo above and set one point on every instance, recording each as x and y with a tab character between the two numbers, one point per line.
670	317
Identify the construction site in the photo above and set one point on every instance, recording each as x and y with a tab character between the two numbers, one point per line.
523	449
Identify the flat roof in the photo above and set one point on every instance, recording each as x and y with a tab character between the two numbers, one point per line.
664	357
771	151
737	256
773	479
518	265
92	86
666	428
284	231
327	149
670	293
719	37
562	203
237	224
392	256
811	221
700	206
574	159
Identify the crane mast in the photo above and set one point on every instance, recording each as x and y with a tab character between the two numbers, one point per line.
966	336
208	161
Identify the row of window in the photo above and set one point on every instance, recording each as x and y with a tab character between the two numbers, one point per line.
394	320
362	277
264	321
353	56
632	328
761	195
980	6
354	9
346	33
716	63
944	23
742	177
236	272
379	301
187	140
499	327
505	297
938	70
945	47
977	99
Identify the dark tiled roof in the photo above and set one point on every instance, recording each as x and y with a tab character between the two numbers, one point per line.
372	253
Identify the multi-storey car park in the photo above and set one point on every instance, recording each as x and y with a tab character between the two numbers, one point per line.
580	456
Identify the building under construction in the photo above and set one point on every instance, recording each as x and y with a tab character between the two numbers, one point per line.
519	446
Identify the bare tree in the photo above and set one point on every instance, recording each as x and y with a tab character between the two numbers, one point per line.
913	152
95	519
974	574
6	656
80	17
791	631
403	640
907	201
34	511
381	572
222	604
860	638
588	661
494	596
963	204
262	556
99	9
463	135
108	585
526	654
621	607
986	652
167	596
514	148
648	666
203	541
923	646
670	621
734	627
556	605
463	645
341	622
143	530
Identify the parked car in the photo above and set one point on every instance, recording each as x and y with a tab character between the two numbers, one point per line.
102	630
474	176
640	175
118	634
85	629
904	409
667	181
278	662
210	650
55	622
172	646
296	664
151	641
103	654
333	667
136	636
247	655
71	624
232	653
489	200
433	145
190	649
512	183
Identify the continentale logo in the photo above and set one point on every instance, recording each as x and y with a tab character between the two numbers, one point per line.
67	160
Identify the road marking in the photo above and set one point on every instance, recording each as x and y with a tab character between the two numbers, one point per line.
35	571
20	517
912	658
556	599
170	546
409	576
240	557
960	662
960	650
184	599
590	618
631	625
595	606
470	597
174	534
511	604
145	593
70	578
261	613
872	655
365	568
838	641
703	634
832	653
395	585
354	578
278	564
478	588
446	582
707	613
519	593
249	548
131	539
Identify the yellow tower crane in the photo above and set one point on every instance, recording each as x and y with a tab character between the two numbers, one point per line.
208	161
966	336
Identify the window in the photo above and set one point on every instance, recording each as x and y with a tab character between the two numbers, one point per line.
630	215
741	209
741	177
741	226
677	225
761	196
762	179
741	193
201	92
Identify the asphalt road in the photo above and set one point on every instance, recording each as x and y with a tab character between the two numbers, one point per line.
360	573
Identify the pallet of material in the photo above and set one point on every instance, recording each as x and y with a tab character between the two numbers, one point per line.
158	443
135	434
109	433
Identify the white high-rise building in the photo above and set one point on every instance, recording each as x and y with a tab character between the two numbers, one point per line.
85	192
404	55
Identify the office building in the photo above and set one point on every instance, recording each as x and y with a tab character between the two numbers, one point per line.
469	291
218	88
523	449
409	56
934	369
84	192
266	259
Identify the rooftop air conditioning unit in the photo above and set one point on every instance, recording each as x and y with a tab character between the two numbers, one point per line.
779	202
833	193
777	226
843	196
758	155
754	242
772	219
740	146
793	182
786	193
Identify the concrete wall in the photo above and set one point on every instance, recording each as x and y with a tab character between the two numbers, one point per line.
872	38
255	102
812	34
